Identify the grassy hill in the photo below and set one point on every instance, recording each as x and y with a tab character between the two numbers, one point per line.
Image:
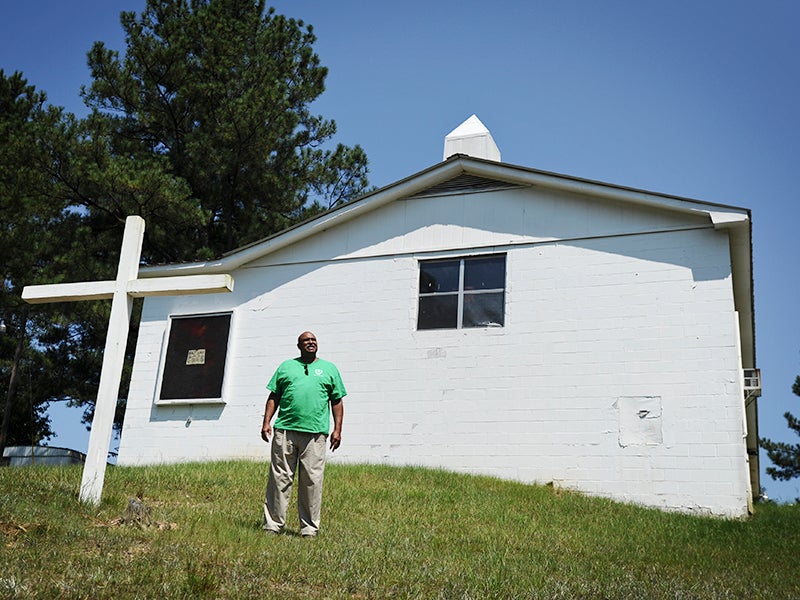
386	533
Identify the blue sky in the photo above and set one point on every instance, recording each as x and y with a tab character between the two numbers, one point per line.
694	99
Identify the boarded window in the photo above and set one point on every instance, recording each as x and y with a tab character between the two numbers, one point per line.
194	367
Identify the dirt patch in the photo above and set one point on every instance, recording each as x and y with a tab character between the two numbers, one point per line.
12	529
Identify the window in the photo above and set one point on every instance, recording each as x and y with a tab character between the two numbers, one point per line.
195	359
462	292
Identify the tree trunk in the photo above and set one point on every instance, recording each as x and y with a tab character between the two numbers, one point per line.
12	384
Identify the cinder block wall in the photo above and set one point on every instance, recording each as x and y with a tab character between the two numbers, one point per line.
617	372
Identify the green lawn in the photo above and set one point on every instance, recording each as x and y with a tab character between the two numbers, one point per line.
386	533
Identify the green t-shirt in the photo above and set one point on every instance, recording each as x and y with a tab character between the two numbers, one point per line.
305	391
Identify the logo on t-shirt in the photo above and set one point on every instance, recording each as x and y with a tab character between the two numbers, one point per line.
318	372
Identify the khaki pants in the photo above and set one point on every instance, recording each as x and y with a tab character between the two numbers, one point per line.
289	450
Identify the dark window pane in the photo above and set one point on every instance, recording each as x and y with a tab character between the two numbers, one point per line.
438	312
484	310
195	361
439	276
486	273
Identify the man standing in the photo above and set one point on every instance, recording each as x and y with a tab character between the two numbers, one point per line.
301	390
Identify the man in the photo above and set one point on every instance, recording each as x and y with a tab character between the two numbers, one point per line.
301	390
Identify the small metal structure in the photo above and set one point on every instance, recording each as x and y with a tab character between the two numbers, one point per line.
24	456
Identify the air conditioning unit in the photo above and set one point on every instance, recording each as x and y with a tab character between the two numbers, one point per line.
752	382
752	379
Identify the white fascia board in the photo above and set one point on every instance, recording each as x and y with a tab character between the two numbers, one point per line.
720	215
722	219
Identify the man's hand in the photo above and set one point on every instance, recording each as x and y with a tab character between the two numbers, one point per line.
269	412
336	439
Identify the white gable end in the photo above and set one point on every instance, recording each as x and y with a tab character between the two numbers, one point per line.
475	220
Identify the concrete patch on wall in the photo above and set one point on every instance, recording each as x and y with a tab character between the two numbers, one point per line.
639	420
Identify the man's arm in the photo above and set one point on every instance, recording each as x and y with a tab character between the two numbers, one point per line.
269	412
337	408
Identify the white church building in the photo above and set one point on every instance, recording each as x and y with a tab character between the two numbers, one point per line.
487	318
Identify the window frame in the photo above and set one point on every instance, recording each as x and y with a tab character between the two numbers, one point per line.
165	350
460	293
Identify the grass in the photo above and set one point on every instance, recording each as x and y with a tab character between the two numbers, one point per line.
387	532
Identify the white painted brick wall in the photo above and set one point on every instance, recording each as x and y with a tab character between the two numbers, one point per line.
587	322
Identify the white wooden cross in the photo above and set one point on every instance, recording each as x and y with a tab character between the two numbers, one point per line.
121	291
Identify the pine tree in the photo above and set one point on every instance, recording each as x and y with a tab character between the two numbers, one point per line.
785	457
220	89
202	127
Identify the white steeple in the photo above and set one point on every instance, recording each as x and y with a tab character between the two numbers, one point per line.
471	138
